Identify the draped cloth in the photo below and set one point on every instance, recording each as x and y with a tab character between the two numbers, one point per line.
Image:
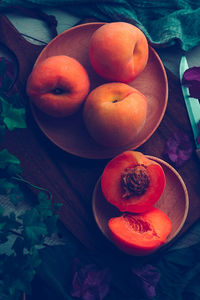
165	22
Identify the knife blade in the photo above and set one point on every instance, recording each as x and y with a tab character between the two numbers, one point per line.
192	105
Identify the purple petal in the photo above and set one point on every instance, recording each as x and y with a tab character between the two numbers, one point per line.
146	277
178	148
89	282
194	90
191	79
191	75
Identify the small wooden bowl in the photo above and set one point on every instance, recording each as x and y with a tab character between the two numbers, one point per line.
174	202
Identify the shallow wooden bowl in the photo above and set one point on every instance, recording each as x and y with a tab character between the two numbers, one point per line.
70	133
174	202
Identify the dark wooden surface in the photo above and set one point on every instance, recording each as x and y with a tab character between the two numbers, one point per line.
71	179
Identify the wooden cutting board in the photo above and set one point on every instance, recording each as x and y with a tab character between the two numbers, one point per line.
70	179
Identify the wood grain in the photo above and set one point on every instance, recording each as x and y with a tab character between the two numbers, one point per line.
70	179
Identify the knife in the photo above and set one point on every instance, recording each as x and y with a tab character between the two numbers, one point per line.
192	105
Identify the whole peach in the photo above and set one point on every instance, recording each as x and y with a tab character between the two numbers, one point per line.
118	51
58	85
114	113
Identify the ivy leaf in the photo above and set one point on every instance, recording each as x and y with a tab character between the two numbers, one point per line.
6	158
34	259
12	117
14	169
2	131
51	223
3	237
1	210
8	223
34	233
6	186
44	206
16	195
18	246
56	206
34	228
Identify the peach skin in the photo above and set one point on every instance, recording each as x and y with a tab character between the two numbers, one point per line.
58	85
118	51
114	113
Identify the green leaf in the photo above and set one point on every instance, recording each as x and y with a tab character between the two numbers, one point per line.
7	158
14	169
6	186
34	234
2	131
12	117
43	196
18	284
16	195
18	246
9	222
1	210
44	208
34	229
34	258
3	223
57	206
30	217
3	237
51	223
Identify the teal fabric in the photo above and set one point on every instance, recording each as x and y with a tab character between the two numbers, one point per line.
164	22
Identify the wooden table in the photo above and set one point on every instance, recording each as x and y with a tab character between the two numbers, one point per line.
71	179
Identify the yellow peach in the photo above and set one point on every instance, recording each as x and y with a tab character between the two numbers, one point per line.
114	113
118	51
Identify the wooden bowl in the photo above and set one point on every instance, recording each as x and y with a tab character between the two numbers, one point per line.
174	202
70	133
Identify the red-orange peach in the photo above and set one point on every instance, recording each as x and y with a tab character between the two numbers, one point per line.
118	51
140	234
58	85
114	113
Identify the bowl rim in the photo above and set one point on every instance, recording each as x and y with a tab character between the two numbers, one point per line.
109	152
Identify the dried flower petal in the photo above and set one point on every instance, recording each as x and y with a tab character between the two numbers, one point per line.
178	148
146	278
90	282
191	79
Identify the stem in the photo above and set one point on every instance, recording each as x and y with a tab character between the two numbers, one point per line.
19	178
